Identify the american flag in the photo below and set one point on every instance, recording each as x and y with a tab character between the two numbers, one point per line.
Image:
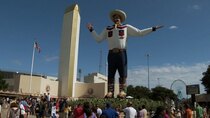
36	46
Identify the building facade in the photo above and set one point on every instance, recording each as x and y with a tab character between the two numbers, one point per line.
94	85
20	83
95	78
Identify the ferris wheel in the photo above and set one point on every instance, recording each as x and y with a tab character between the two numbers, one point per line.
179	88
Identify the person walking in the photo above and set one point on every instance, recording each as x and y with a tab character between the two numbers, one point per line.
143	112
188	112
14	111
109	112
130	112
199	111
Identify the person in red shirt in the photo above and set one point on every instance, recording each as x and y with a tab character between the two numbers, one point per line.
188	111
78	111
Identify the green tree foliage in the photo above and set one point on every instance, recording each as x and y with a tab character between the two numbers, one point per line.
130	90
3	84
157	93
119	103
162	93
138	92
206	80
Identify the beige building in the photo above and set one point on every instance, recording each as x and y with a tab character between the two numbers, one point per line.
94	85
20	83
39	84
95	78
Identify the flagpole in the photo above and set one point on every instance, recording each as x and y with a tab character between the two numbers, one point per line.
32	64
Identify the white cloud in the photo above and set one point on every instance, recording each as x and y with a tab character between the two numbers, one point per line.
17	62
173	27
167	74
51	58
196	7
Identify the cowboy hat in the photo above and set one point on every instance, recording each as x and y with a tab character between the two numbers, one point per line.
121	13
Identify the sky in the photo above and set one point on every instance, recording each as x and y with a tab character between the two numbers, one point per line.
178	51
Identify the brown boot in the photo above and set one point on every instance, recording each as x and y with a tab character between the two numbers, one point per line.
121	95
109	95
123	88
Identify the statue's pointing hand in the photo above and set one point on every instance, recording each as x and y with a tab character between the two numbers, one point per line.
90	27
157	27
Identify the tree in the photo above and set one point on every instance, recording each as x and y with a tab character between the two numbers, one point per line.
158	93
138	92
162	93
142	92
3	84
130	90
206	80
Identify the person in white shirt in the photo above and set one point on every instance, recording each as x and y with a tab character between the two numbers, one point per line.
53	110
143	112
130	112
48	97
22	110
98	111
116	36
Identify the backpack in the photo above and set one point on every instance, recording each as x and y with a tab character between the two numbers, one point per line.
14	113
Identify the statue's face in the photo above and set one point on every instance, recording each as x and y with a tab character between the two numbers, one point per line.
117	19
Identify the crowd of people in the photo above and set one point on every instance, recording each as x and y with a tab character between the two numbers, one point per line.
46	107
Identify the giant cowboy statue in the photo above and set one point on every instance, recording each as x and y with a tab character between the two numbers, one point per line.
116	36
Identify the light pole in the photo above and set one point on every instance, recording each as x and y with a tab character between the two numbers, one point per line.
148	69
158	81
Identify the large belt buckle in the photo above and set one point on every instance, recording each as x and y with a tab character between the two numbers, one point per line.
115	50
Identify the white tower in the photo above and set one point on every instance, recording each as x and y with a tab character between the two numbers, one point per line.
69	51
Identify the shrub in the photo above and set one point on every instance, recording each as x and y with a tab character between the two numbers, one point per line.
120	103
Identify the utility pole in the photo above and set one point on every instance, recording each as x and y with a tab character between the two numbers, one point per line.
148	70
106	68
158	81
80	74
100	61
